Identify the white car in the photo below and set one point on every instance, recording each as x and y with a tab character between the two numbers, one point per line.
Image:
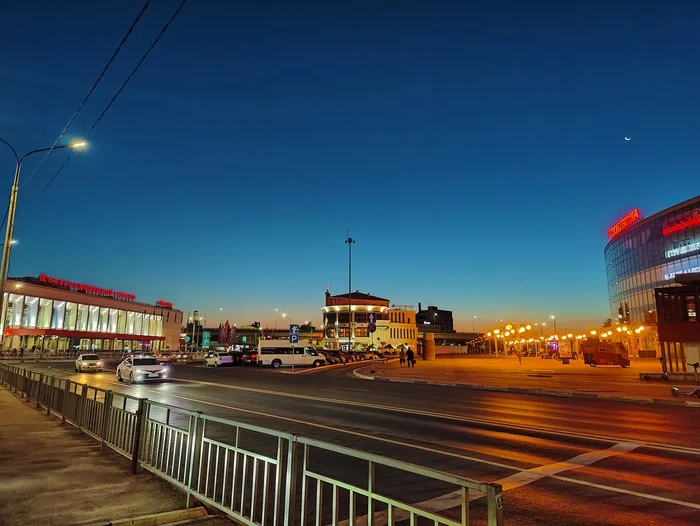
88	362
217	359
139	368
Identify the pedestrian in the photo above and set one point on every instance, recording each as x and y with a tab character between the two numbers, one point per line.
520	357
410	357
402	358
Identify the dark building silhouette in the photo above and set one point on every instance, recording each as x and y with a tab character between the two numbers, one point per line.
434	320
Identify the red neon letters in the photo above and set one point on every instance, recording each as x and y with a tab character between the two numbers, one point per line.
693	221
166	304
632	217
88	289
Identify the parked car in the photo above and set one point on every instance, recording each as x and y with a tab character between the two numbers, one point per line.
141	368
88	362
167	358
218	359
330	359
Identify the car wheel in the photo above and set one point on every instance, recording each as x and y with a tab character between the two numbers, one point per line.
623	365
592	363
276	364
131	377
216	364
119	376
318	363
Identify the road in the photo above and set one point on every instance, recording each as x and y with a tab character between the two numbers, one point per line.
560	460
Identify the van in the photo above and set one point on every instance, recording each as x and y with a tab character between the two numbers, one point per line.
605	353
281	353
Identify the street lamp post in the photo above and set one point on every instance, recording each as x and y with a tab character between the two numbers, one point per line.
473	325
5	263
293	346
350	242
554	318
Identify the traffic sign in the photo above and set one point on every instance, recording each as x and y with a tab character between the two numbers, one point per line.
293	333
371	327
206	339
187	339
372	318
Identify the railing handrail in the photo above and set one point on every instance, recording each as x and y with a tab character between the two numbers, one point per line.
397	464
249	427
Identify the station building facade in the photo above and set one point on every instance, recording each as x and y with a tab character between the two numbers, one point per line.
347	321
648	253
56	315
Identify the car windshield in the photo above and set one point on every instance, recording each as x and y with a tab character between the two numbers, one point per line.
145	361
90	357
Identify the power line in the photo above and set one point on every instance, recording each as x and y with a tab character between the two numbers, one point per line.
114	98
92	89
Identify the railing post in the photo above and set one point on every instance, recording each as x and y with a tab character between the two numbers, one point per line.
138	435
66	393
494	502
81	406
38	391
51	395
290	498
195	448
106	415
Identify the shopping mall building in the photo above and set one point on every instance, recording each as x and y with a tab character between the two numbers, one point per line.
351	318
647	253
56	314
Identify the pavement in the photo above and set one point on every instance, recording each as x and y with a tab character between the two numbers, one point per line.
53	475
537	376
561	460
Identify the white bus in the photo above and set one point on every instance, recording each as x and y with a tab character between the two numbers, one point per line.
281	353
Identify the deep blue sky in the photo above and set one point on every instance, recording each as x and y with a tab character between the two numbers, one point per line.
476	154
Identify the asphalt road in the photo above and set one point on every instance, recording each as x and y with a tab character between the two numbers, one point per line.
561	461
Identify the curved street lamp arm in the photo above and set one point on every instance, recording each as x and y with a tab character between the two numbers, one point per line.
20	161
14	152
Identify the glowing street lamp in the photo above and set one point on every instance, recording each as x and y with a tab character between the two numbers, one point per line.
5	263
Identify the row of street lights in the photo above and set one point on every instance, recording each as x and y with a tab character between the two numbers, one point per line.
11	212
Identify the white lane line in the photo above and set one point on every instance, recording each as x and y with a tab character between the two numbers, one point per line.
457	418
454	499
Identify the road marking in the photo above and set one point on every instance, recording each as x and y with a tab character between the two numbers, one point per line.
457	418
446	416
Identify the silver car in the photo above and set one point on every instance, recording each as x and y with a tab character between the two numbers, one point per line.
88	362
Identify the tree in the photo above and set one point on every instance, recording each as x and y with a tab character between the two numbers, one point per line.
607	322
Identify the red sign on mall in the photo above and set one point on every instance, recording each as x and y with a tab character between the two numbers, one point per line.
88	289
693	221
631	218
166	304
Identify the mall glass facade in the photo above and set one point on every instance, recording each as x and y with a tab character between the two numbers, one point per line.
650	254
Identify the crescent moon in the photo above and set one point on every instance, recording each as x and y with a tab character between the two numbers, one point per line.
628	138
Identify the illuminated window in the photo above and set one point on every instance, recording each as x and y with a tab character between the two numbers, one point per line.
130	323
29	313
138	322
82	322
93	322
59	310
104	319
15	306
113	319
70	316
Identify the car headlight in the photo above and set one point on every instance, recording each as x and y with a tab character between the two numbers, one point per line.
84	363
99	364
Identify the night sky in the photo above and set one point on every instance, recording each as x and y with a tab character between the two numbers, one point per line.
476	154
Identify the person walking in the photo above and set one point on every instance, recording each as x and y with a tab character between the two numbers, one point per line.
402	358
520	357
411	358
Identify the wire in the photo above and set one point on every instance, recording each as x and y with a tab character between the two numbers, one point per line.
92	89
114	98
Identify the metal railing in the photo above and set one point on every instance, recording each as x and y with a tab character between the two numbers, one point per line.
252	473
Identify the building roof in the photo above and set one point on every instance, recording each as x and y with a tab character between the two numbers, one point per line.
357	295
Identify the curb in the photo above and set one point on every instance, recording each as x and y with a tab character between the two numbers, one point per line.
521	390
159	519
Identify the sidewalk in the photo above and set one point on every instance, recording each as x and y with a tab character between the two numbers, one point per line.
52	475
535	376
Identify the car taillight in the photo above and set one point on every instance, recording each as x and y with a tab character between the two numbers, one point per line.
254	356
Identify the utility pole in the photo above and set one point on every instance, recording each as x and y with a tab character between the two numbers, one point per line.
350	241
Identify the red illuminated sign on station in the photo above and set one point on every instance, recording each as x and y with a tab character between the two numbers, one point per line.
88	289
693	221
631	218
166	304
